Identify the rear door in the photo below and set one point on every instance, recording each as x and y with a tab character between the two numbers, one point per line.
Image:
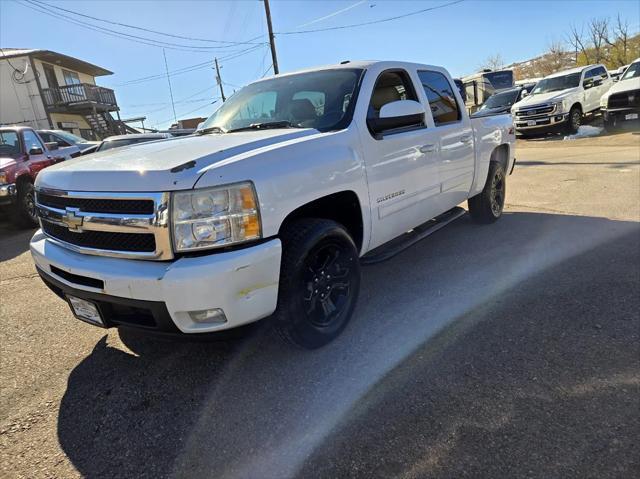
402	164
598	78
456	160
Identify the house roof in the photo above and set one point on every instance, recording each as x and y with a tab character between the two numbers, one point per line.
57	59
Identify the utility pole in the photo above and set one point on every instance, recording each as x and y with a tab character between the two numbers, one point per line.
219	80
272	38
166	67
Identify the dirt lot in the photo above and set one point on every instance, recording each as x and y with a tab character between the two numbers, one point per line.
509	350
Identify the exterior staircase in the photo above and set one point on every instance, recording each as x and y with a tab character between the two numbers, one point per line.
104	125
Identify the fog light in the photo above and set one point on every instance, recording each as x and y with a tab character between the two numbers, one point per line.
213	316
558	118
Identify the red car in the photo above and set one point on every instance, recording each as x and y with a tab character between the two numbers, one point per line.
22	155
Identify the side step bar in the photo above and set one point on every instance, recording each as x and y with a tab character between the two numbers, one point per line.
399	244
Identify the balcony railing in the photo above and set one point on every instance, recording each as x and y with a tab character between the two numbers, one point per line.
79	94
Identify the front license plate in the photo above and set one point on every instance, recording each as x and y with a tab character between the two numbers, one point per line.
531	123
631	116
85	310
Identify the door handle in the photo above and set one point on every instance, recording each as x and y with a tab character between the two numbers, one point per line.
465	139
430	148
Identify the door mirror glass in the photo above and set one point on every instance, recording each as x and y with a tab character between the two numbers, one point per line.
398	114
35	151
51	145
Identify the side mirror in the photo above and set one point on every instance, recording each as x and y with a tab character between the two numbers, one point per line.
51	145
587	83
36	151
397	114
524	93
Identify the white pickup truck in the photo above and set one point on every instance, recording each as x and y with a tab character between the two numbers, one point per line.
270	209
559	101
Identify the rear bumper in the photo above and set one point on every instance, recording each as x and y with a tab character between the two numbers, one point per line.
157	295
8	194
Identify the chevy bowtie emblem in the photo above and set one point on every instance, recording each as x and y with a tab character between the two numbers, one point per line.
72	221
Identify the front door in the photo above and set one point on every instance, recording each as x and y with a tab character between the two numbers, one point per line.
402	166
37	161
455	138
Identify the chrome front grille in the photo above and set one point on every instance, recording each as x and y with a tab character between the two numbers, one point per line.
543	109
123	225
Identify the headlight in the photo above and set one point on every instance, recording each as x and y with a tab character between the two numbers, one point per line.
559	106
215	217
3	178
603	101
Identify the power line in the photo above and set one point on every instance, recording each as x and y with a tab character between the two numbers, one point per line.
156	32
266	71
166	66
189	112
190	68
115	33
373	22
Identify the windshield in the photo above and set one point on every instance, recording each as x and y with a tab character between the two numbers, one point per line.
320	100
557	83
500	80
70	137
10	145
632	72
108	145
501	100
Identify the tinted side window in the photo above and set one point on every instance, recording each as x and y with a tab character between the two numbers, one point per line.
601	72
31	140
442	101
46	137
390	86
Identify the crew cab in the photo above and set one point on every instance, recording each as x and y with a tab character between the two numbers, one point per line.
22	156
621	104
270	209
559	102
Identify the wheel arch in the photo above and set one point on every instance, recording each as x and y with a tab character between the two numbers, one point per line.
500	154
343	207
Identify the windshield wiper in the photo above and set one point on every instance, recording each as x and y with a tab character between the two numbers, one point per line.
265	125
211	129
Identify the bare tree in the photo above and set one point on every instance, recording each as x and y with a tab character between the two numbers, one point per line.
621	43
553	60
493	62
599	36
577	41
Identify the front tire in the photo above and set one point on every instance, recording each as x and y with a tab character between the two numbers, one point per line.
574	121
487	206
25	214
319	282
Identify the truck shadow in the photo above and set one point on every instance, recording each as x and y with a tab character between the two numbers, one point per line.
13	241
252	407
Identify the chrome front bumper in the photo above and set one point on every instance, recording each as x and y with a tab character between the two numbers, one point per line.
540	122
8	193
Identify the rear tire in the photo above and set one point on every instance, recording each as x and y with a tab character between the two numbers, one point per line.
487	206
25	213
319	282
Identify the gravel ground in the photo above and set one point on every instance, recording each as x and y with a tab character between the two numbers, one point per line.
508	350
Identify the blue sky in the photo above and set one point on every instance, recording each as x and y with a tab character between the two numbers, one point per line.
458	37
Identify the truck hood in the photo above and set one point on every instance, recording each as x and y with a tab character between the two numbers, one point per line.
165	165
624	85
546	97
6	162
